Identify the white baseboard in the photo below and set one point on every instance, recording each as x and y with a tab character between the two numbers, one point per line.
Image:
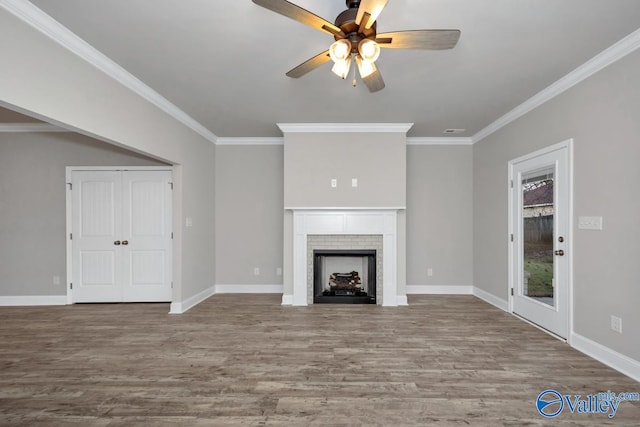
402	300
248	289
438	290
599	352
182	307
491	299
287	299
33	300
626	365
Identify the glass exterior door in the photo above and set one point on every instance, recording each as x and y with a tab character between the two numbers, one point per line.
538	208
540	267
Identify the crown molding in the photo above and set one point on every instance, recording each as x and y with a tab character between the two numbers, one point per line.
344	127
280	141
605	58
439	141
29	127
251	141
51	28
35	17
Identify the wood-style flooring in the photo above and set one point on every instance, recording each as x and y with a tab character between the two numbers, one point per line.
247	360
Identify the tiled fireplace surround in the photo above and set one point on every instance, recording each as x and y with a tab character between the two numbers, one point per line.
342	242
352	229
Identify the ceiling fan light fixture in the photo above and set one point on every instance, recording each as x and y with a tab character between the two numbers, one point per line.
355	34
369	50
340	50
365	67
341	68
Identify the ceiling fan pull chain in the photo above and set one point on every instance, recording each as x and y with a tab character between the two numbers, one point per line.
354	76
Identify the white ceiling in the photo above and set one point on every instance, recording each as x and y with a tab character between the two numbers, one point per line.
223	62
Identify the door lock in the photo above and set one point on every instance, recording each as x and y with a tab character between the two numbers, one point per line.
559	252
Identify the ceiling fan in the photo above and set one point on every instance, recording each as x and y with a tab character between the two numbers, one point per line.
356	38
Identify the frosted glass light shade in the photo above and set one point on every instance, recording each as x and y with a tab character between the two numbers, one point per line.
340	50
369	50
365	67
341	68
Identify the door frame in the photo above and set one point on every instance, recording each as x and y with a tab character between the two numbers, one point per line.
568	145
69	223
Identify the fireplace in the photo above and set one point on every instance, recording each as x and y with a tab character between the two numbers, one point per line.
344	276
355	229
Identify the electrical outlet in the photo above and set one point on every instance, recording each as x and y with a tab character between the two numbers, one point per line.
616	324
56	280
279	271
189	222
334	183
256	271
429	272
354	182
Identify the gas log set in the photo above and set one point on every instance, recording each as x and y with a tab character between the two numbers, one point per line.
344	284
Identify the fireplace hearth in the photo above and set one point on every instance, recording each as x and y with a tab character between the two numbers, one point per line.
344	276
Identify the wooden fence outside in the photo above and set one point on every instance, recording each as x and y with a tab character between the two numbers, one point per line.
538	229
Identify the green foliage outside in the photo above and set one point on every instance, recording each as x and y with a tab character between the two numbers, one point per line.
538	261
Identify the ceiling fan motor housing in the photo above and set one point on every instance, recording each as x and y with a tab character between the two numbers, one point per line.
346	21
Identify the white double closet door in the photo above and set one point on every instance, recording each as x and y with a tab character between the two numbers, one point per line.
121	236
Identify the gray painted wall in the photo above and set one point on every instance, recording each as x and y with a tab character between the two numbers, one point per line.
601	115
32	204
249	221
377	160
440	215
249	208
10	116
49	82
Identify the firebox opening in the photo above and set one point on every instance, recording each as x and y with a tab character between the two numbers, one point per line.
344	276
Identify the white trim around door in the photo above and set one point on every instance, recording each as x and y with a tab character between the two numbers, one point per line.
69	215
555	314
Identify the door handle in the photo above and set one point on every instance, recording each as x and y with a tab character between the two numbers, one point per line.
125	242
559	252
117	243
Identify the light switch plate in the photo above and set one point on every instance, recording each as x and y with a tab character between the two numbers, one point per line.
354	182
590	223
334	183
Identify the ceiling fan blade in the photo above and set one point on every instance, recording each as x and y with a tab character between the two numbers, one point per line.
299	14
309	65
373	8
419	39
374	81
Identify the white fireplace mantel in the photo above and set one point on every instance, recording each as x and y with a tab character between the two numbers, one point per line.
336	222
